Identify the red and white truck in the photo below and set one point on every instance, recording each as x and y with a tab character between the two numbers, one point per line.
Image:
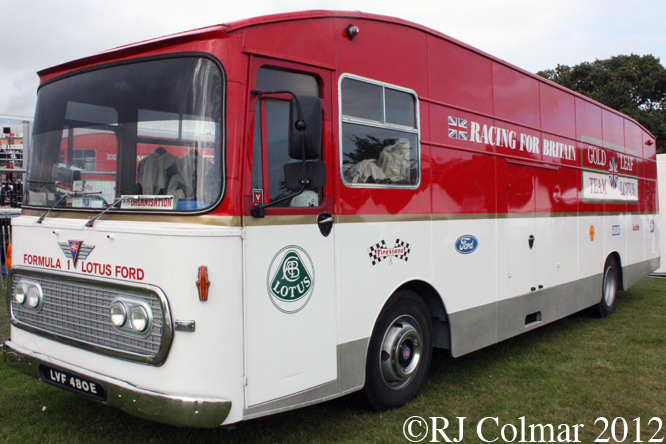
261	215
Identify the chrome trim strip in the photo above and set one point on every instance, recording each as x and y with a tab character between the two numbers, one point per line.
167	324
178	410
206	219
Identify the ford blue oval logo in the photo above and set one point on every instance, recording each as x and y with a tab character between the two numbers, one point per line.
466	244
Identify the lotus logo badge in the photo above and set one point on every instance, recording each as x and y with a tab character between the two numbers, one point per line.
290	279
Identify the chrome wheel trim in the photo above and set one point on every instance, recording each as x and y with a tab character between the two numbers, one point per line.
401	352
610	286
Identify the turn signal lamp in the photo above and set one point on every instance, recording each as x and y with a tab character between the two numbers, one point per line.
203	283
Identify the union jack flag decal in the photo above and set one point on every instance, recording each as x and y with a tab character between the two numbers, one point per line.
459	130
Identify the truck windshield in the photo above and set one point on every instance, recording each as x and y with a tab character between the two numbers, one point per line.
149	129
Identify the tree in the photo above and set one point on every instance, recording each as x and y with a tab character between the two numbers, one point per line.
368	148
634	85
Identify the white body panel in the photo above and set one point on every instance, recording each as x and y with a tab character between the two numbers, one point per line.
251	350
206	362
288	349
364	287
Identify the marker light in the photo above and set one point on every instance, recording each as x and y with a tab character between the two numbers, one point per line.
203	283
118	314
139	318
352	31
19	295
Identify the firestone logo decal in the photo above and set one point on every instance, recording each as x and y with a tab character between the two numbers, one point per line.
380	251
290	279
74	249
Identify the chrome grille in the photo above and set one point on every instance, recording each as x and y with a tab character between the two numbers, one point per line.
76	310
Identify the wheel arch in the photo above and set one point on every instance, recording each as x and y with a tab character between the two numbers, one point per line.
438	313
618	260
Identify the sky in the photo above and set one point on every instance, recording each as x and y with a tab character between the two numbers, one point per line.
532	34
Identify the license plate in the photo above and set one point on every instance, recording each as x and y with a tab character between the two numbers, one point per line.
73	382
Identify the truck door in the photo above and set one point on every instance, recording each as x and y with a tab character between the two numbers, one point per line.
532	243
290	309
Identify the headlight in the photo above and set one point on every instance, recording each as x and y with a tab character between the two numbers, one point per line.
29	294
139	318
118	314
19	294
33	296
131	316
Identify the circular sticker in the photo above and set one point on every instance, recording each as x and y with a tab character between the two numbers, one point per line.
290	279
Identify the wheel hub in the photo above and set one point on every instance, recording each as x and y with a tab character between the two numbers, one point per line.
610	287
401	352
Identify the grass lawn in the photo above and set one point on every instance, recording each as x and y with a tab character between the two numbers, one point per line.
570	372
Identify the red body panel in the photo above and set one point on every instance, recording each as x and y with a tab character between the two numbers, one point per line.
451	79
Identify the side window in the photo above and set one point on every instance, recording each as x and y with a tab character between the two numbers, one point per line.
85	159
271	134
380	134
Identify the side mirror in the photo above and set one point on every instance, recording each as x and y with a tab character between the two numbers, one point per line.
315	174
311	115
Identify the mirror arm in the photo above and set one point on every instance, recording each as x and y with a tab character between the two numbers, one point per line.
300	124
260	210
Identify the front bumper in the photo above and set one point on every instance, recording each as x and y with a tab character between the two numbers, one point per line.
178	410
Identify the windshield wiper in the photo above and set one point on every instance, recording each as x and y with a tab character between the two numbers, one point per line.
67	194
115	202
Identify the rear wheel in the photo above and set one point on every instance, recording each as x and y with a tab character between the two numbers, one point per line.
609	289
399	353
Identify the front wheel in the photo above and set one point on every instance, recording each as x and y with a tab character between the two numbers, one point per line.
609	289
399	353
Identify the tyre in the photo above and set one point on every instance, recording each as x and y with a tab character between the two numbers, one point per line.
399	353
609	287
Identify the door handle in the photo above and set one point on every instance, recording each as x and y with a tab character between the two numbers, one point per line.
325	223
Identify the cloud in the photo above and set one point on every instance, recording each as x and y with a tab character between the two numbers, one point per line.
532	34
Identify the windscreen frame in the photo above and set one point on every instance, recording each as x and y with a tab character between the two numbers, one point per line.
219	140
